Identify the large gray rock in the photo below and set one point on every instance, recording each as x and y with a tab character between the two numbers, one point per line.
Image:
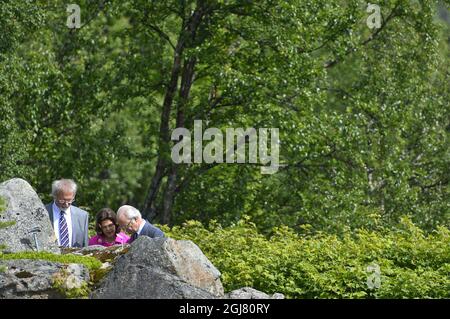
40	279
102	253
191	265
140	282
250	293
24	207
161	268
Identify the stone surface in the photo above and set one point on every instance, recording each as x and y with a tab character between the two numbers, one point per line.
76	276
102	253
161	268
250	293
140	282
35	279
191	265
25	208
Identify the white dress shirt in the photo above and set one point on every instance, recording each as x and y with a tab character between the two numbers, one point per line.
140	227
56	216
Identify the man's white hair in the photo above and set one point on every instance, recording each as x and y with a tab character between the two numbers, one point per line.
64	185
129	211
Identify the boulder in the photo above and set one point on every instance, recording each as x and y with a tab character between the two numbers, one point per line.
161	268
32	223
250	293
102	253
191	265
141	282
40	279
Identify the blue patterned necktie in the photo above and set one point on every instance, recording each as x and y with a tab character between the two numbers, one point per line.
63	231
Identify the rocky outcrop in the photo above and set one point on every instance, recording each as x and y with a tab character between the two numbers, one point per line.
250	293
161	268
32	228
40	279
102	253
191	265
148	268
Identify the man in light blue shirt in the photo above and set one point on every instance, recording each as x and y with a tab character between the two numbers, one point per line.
69	222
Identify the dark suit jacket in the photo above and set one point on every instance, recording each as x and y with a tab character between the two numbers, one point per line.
148	230
80	220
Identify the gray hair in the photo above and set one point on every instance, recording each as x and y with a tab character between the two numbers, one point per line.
61	185
129	211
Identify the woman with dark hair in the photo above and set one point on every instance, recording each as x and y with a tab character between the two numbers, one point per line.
108	231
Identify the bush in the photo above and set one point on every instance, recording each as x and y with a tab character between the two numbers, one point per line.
412	265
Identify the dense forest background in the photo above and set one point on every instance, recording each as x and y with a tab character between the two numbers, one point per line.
363	114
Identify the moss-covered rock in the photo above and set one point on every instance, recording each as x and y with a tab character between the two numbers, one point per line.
29	228
72	281
101	253
42	279
74	277
90	262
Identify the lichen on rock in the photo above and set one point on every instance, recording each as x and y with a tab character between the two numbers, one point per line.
72	281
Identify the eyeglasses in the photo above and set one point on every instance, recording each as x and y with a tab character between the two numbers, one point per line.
69	202
128	225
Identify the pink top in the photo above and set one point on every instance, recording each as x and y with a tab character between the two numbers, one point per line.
121	238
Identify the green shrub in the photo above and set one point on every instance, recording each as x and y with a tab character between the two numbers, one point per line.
412	265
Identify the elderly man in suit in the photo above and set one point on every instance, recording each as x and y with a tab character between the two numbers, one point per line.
130	220
70	223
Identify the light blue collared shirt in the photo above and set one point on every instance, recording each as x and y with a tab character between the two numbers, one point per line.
56	216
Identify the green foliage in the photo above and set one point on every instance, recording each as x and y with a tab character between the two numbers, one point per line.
98	274
364	139
90	262
7	224
54	105
363	115
412	264
73	293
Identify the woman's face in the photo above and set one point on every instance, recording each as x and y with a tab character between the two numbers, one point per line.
108	228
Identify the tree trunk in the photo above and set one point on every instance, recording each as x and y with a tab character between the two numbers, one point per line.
148	210
164	136
165	165
169	193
